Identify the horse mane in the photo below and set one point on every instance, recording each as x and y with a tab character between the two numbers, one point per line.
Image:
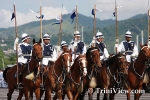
111	59
89	51
80	56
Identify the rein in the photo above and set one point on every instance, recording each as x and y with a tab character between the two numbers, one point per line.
59	76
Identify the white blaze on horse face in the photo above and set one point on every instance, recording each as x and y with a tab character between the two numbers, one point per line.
68	64
84	67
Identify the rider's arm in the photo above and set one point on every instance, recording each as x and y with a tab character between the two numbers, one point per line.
135	51
121	47
54	55
84	50
106	54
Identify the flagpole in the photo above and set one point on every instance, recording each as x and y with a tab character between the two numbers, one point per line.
148	25
116	15
94	25
42	42
16	31
76	28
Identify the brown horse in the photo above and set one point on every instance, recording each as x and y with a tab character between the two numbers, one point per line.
28	85
93	63
74	80
100	78
136	72
56	75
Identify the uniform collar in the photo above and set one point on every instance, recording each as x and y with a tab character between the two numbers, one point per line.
26	44
46	44
98	42
127	41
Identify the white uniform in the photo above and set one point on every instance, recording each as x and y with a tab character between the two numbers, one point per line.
77	47
49	52
129	47
121	48
24	49
102	47
21	58
48	58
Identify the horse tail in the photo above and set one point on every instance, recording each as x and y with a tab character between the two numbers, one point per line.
5	72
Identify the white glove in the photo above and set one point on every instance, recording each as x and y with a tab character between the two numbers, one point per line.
16	42
75	45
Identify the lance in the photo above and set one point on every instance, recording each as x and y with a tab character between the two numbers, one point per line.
94	25
60	34
42	40
148	25
16	31
117	40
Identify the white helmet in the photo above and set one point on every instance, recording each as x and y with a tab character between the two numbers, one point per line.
99	35
77	33
46	36
64	43
25	36
128	34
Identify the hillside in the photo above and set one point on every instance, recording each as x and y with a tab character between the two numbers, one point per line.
107	27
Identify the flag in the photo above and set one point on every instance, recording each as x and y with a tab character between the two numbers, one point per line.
93	13
13	16
59	20
114	14
37	12
40	16
73	15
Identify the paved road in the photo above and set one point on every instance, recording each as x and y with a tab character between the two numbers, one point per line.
3	93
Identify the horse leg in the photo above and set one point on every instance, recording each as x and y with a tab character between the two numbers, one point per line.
20	95
98	94
81	96
59	94
26	93
55	97
76	96
69	95
128	96
47	94
31	95
9	94
37	94
112	96
41	93
105	96
90	93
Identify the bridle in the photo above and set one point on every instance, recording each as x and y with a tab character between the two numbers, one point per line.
35	55
68	62
81	71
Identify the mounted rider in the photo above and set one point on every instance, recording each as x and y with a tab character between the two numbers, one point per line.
24	52
98	42
49	52
129	47
64	46
77	46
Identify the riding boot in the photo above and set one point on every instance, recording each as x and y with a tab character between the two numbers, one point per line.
20	76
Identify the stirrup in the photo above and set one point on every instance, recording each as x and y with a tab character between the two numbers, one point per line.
20	86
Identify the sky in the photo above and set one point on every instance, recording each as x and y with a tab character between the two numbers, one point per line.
53	8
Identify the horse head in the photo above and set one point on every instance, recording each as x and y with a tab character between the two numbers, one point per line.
93	56
145	51
66	60
123	64
81	62
37	51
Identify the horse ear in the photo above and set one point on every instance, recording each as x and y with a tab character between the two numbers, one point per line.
141	45
70	50
40	41
33	41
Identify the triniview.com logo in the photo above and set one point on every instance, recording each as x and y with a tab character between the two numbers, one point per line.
115	90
